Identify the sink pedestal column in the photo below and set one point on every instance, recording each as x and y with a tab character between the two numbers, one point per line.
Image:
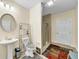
10	51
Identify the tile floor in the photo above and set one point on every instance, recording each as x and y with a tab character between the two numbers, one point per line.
35	57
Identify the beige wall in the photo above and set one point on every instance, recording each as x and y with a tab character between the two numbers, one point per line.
71	13
35	22
21	15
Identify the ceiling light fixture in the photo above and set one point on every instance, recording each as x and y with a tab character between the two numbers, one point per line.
50	3
54	0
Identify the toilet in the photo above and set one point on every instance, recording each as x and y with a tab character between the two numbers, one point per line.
29	47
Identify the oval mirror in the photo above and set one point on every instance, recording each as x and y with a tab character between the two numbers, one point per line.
8	23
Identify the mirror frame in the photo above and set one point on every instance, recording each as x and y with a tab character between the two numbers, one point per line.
2	25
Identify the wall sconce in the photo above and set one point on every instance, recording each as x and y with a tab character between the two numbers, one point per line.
6	6
1	3
12	8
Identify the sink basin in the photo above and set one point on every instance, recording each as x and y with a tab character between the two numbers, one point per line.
10	41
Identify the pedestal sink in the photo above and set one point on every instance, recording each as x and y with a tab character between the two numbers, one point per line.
9	44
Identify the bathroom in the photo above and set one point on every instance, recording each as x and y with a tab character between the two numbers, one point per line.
58	28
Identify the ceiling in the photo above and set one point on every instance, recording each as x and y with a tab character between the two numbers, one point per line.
59	5
27	3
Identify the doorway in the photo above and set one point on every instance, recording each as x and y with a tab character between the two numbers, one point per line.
46	30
